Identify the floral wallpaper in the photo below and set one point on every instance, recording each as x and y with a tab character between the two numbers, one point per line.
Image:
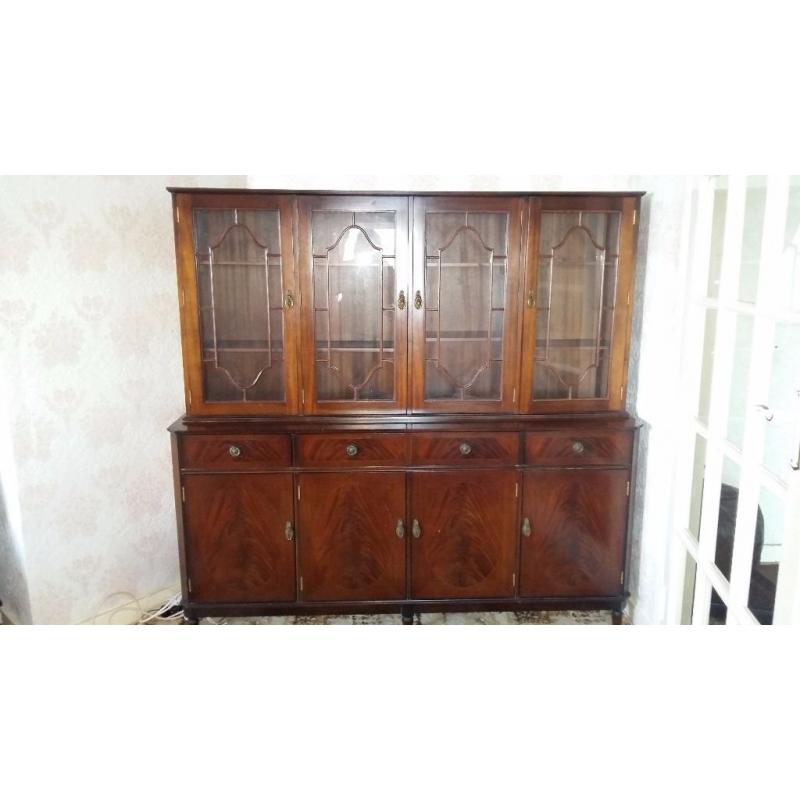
90	358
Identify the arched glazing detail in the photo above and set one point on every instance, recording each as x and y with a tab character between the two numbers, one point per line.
240	283
576	296
354	304
466	259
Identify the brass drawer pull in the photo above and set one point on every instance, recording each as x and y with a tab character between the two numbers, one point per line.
289	531
531	299
465	448
416	531
351	450
401	301
418	300
578	448
526	527
400	530
289	300
235	451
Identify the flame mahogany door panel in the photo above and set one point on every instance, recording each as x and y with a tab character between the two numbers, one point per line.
240	543
573	532
351	536
463	533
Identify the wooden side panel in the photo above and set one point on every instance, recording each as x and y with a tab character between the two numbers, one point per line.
347	533
577	533
467	524
235	529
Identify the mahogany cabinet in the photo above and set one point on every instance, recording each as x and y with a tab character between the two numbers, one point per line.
403	402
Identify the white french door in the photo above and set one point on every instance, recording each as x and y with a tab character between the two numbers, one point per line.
736	552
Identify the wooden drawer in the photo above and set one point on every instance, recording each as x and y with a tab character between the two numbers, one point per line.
573	448
235	452
465	448
352	450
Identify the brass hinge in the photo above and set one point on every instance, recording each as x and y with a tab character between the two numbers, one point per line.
177	213
621	390
190	396
303	397
634	216
189	584
183	297
622	577
301	583
628	299
628	489
298	492
516	489
514	395
183	494
513	579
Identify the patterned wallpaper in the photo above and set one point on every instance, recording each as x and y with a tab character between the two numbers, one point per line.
90	359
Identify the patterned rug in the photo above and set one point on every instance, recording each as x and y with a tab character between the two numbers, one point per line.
475	618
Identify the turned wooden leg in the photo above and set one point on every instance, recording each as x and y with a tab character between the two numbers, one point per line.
616	617
408	616
190	619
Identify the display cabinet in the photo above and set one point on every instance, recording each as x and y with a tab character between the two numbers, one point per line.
403	402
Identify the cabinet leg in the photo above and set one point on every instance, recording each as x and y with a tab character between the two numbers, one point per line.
190	619
616	617
408	616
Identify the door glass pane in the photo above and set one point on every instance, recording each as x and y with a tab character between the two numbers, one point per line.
466	262
689	584
709	338
576	296
789	294
717	234
354	312
698	479
726	521
766	556
783	399
754	207
737	398
240	296
718	611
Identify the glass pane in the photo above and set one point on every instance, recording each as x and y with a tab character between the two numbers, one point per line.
766	556
709	338
689	584
737	399
726	521
783	399
717	235
718	611
789	295
577	286
466	260
240	295
754	206
354	292
698	480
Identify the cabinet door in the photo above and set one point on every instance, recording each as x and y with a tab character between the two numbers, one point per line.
237	294
354	271
239	537
352	536
463	534
465	303
577	303
573	532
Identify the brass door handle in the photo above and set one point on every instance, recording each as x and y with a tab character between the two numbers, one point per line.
400	530
289	300
526	527
531	299
416	531
289	531
418	300
401	301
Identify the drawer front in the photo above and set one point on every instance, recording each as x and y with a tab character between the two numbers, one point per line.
573	448
235	452
352	450
463	449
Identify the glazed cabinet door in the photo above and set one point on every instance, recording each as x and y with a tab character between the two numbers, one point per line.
351	536
239	323
573	532
463	534
576	310
466	267
239	536
354	269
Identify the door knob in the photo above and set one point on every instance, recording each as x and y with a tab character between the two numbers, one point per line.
578	448
235	451
526	527
289	531
465	448
416	531
400	530
351	450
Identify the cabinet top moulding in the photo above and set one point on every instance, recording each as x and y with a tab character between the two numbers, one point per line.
406	193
